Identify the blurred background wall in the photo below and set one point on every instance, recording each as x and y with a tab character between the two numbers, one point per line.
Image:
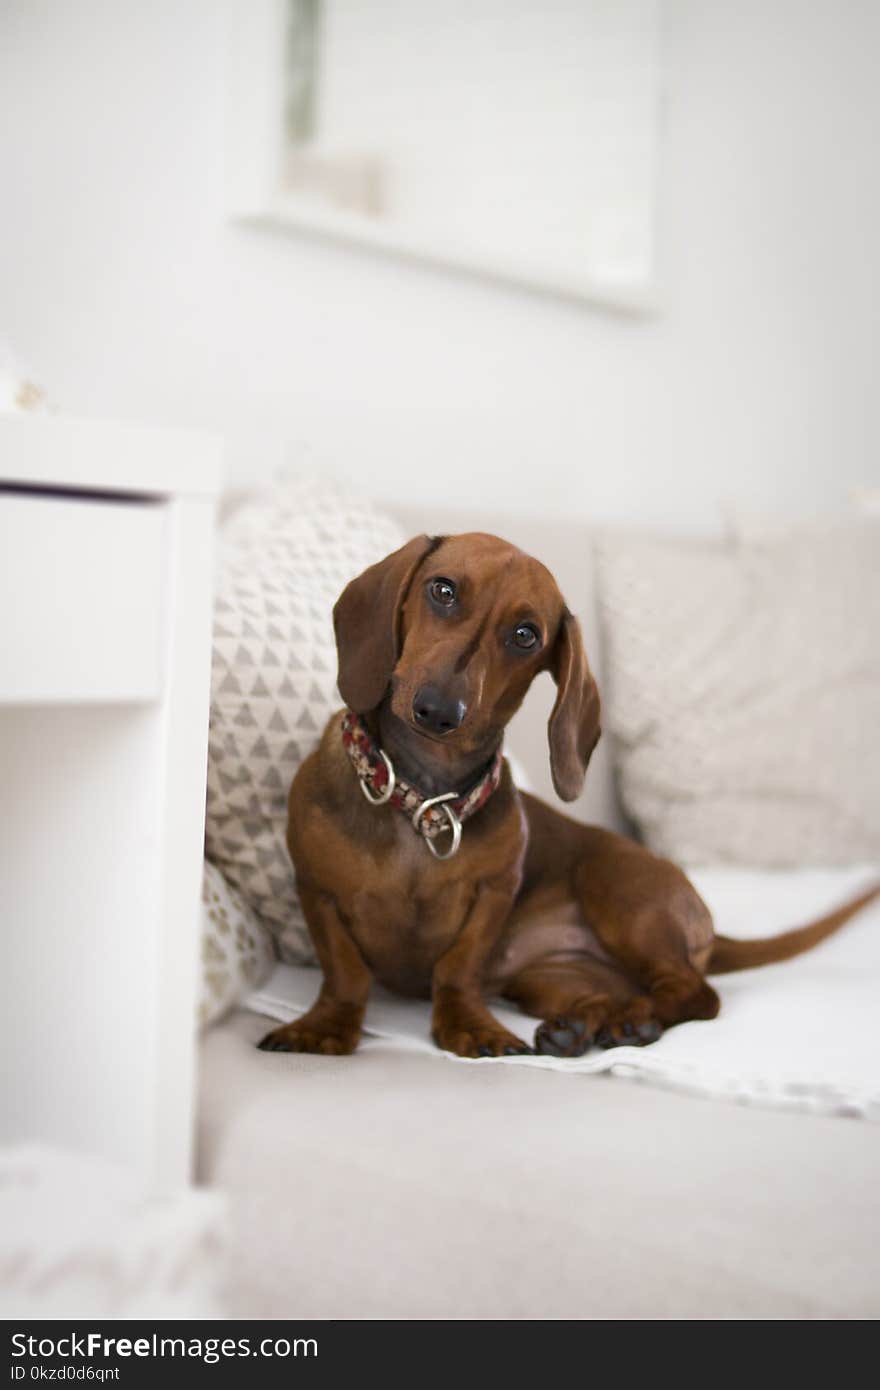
127	292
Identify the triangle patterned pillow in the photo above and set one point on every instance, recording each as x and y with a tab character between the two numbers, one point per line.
284	560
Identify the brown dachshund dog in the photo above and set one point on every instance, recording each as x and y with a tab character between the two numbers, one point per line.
452	884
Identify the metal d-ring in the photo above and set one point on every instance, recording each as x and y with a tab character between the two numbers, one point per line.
454	823
388	790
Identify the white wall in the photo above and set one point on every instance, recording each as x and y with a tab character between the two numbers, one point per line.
127	292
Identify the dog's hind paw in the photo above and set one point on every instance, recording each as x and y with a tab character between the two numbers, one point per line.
631	1024
628	1024
629	1035
562	1037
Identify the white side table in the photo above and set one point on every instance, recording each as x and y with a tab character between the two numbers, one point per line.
105	627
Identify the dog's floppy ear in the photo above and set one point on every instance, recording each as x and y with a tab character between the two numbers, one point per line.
366	621
574	727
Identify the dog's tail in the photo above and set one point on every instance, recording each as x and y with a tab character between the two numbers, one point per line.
728	954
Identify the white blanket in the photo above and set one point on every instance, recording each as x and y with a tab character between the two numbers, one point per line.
802	1035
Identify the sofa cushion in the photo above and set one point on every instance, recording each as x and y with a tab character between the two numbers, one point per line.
390	1185
742	691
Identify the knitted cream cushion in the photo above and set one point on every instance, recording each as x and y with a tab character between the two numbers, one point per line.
284	559
238	952
88	1240
742	692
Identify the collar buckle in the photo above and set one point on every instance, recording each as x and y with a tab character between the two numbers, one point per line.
388	790
454	824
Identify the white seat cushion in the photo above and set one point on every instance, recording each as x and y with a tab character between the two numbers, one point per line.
390	1185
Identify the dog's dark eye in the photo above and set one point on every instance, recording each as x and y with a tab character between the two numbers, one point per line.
442	591
525	636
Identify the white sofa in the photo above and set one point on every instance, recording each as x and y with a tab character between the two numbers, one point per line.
402	1186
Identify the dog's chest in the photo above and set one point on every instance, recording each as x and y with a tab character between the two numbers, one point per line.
406	910
403	907
403	928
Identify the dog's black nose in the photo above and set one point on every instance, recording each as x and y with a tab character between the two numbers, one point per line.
436	712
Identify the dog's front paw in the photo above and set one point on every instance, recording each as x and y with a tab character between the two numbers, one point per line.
476	1035
302	1036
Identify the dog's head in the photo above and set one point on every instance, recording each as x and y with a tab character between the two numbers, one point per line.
453	630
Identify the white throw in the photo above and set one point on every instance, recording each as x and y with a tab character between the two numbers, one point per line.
802	1035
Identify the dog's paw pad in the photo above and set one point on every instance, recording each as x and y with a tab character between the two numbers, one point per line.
647	1033
562	1037
629	1034
296	1038
271	1043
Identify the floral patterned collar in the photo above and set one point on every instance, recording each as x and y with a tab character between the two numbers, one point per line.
431	816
